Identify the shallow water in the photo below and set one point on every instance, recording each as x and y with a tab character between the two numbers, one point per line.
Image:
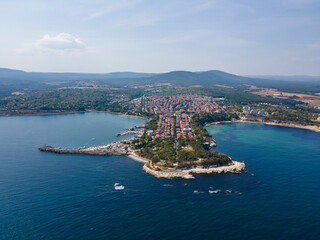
51	196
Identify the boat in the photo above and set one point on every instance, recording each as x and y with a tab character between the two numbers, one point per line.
197	192
117	186
215	191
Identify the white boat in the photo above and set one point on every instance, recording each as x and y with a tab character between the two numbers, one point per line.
215	191
117	186
197	192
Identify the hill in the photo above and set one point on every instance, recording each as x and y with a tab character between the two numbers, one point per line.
10	74
16	80
186	78
297	78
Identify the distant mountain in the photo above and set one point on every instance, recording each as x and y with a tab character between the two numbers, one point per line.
9	74
300	78
216	77
17	80
180	78
185	78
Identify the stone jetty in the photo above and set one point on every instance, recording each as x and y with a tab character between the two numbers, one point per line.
98	151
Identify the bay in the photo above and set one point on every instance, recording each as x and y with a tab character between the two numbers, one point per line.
52	196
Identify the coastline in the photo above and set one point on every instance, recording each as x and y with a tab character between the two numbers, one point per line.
67	112
39	114
137	158
236	167
292	125
307	127
124	114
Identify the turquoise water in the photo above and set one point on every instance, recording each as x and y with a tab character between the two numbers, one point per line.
51	196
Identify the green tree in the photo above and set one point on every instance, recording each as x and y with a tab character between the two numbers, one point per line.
155	158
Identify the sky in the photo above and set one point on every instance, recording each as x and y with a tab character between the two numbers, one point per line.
245	37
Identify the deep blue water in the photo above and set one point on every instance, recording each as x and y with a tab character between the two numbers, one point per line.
50	196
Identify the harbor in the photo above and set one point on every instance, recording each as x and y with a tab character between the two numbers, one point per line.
138	130
114	149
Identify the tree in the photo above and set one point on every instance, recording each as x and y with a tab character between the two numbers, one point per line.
155	158
81	109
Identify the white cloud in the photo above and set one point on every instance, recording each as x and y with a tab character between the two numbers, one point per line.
62	41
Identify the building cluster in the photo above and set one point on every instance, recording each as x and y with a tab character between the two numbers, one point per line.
188	103
165	127
251	111
183	127
174	126
175	112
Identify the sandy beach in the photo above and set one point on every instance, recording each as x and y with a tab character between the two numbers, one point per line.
137	158
308	127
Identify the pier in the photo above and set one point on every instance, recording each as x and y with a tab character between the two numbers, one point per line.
139	130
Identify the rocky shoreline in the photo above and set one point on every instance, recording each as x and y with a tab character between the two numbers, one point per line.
120	148
235	167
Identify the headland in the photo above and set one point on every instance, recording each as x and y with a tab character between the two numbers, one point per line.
174	141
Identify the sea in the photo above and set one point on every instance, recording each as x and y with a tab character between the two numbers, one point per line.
53	196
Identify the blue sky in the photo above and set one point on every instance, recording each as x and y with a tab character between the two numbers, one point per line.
238	36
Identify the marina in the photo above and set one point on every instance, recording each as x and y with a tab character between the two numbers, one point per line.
115	149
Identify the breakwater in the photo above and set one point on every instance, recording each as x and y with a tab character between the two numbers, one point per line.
98	151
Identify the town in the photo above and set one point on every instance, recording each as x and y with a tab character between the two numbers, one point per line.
175	112
179	104
174	141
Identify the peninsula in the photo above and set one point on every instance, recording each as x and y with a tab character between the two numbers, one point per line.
174	141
